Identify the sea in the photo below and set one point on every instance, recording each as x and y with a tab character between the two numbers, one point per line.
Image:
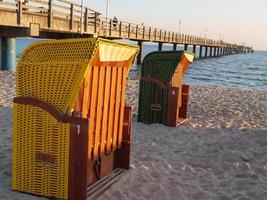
247	71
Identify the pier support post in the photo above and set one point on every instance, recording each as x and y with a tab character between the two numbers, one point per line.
186	47
210	51
8	54
174	47
160	47
215	51
139	56
206	52
221	51
200	51
194	49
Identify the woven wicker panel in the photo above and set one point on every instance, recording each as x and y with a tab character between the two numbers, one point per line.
42	134
70	50
52	82
54	70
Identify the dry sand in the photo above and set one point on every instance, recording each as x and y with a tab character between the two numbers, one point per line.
220	154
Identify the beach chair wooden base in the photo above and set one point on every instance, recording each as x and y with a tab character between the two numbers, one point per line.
98	174
88	178
100	186
181	121
177	116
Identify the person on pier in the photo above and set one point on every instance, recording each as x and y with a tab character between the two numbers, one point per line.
115	22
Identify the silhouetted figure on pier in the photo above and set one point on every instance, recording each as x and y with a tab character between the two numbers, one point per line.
115	22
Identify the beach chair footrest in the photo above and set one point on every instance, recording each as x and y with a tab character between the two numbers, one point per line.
181	121
98	187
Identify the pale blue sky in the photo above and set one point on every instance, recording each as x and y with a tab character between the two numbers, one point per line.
239	20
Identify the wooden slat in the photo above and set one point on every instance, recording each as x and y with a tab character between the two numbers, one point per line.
39	2
97	188
61	14
92	187
8	9
86	93
87	101
79	100
71	17
93	104
19	13
77	10
111	109
99	112
104	134
121	115
69	2
117	107
8	3
61	6
50	14
35	8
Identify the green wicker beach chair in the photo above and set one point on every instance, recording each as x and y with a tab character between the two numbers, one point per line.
163	98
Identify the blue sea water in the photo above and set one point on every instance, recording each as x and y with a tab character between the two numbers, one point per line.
240	70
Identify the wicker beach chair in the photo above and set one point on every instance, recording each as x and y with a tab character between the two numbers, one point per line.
71	136
162	97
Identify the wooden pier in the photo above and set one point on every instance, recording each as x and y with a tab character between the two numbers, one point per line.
65	19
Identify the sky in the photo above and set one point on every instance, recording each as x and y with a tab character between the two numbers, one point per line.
237	21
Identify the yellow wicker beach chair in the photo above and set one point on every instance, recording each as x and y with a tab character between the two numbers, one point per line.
71	125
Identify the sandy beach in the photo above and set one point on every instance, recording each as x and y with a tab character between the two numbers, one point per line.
221	154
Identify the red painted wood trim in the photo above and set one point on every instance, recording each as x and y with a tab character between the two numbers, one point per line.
122	155
44	157
61	117
41	104
172	107
156	81
155	107
184	107
78	159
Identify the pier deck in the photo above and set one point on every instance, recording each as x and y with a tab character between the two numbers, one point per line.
65	19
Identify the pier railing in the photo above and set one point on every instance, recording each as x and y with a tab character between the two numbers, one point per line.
63	15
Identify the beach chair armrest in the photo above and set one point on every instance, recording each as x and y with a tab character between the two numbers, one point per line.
61	117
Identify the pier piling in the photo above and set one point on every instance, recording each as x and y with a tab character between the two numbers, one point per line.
139	56
186	47
194	49
215	52
206	52
221	52
200	51
160	46
8	54
210	51
174	47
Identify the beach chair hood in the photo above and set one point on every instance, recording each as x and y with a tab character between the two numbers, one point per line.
55	76
162	65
